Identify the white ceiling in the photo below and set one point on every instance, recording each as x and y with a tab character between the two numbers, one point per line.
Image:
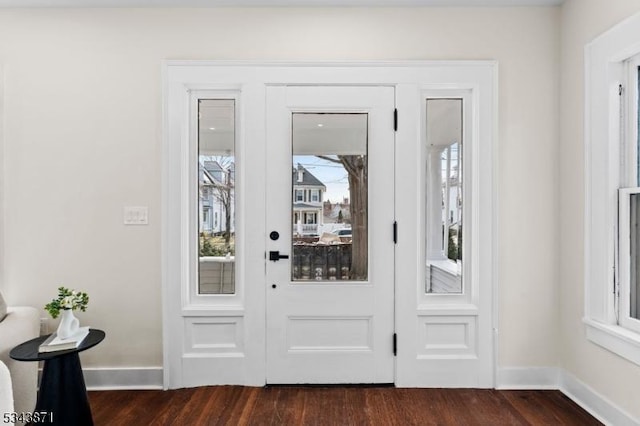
270	3
329	134
444	121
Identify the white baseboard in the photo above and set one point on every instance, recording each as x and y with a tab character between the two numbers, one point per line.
123	378
527	378
594	403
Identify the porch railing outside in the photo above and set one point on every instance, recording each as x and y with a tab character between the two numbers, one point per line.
306	229
319	262
217	275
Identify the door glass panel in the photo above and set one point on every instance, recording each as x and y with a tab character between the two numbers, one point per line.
216	196
444	196
637	118
635	220
329	197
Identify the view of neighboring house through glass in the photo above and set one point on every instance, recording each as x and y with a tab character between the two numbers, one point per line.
444	196
216	196
329	197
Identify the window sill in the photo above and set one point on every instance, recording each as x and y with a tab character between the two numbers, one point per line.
619	340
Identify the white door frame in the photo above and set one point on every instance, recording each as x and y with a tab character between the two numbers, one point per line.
234	350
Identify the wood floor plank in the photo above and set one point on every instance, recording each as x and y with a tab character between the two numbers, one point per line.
290	406
355	410
227	402
240	412
422	402
197	407
172	403
505	413
550	407
324	406
379	405
264	411
335	405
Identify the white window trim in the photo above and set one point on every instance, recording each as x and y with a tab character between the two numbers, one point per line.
604	72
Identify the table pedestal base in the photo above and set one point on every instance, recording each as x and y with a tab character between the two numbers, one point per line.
63	392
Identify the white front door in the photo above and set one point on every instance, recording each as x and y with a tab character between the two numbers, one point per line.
330	248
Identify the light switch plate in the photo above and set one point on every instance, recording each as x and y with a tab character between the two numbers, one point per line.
136	215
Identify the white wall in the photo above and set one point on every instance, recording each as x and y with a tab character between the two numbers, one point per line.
83	137
608	374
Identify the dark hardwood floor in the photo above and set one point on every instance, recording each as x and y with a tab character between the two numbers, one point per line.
291	405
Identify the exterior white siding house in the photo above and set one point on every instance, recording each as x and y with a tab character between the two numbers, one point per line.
337	213
217	194
308	193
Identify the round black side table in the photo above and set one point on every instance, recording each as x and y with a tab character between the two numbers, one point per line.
63	394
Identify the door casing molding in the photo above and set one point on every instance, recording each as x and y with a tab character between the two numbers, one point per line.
248	81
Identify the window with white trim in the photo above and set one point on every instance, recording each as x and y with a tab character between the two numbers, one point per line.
628	278
612	190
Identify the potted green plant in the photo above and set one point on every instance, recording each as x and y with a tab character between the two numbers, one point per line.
66	302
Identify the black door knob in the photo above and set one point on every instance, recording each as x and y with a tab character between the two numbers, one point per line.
275	256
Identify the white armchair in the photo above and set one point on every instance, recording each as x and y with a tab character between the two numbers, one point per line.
20	324
6	392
